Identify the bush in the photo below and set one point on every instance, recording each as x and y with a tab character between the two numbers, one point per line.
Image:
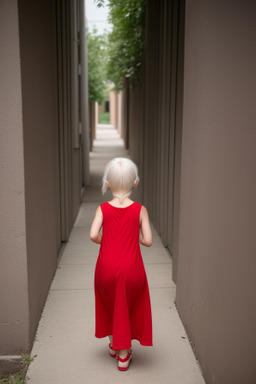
21	376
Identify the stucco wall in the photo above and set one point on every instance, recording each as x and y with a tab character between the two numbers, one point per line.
40	146
113	108
153	110
136	137
13	270
216	282
39	98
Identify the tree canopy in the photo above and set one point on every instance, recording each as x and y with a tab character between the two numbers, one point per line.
125	41
97	58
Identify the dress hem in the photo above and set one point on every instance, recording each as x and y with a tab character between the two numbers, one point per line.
118	349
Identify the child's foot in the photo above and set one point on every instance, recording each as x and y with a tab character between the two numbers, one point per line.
112	352
123	363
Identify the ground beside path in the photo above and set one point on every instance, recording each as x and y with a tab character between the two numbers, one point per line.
67	351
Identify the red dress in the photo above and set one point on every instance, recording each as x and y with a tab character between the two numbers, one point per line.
122	300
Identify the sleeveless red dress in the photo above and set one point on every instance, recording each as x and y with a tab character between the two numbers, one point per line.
122	301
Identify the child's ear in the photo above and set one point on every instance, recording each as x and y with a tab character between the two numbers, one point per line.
107	185
135	184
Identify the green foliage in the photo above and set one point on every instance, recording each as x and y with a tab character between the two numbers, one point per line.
104	118
97	58
125	41
19	377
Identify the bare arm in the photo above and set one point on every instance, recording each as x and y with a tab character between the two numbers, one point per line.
146	234
96	227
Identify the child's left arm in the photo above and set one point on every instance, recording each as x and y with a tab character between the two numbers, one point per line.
95	235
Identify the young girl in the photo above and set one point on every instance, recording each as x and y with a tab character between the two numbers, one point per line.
122	301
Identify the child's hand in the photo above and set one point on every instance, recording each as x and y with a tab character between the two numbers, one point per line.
146	234
95	235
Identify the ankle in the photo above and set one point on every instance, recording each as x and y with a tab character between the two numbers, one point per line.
123	353
110	340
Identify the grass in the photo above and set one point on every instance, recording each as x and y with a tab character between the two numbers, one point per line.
21	376
104	118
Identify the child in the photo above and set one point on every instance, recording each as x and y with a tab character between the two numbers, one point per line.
122	301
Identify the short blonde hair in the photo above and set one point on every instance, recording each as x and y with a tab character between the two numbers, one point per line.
120	174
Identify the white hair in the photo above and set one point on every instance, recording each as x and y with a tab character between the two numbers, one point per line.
120	174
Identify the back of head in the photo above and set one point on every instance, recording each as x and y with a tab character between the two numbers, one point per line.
120	174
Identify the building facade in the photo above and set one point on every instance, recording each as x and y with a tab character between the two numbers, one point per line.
192	131
44	155
190	126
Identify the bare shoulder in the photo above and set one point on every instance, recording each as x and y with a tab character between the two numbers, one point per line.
143	213
98	211
144	210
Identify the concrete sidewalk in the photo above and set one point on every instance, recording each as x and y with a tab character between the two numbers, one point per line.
67	351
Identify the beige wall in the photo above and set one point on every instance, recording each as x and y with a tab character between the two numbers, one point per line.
43	158
13	272
152	128
119	112
93	121
216	282
136	137
198	167
39	100
101	109
125	122
84	97
113	108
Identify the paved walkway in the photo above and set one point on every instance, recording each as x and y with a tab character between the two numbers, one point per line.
67	351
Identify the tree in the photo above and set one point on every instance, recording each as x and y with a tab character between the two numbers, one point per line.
97	59
125	41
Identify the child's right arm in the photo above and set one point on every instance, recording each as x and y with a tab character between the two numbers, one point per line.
146	234
96	227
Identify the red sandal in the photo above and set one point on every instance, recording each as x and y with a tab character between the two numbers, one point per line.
112	352
127	358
